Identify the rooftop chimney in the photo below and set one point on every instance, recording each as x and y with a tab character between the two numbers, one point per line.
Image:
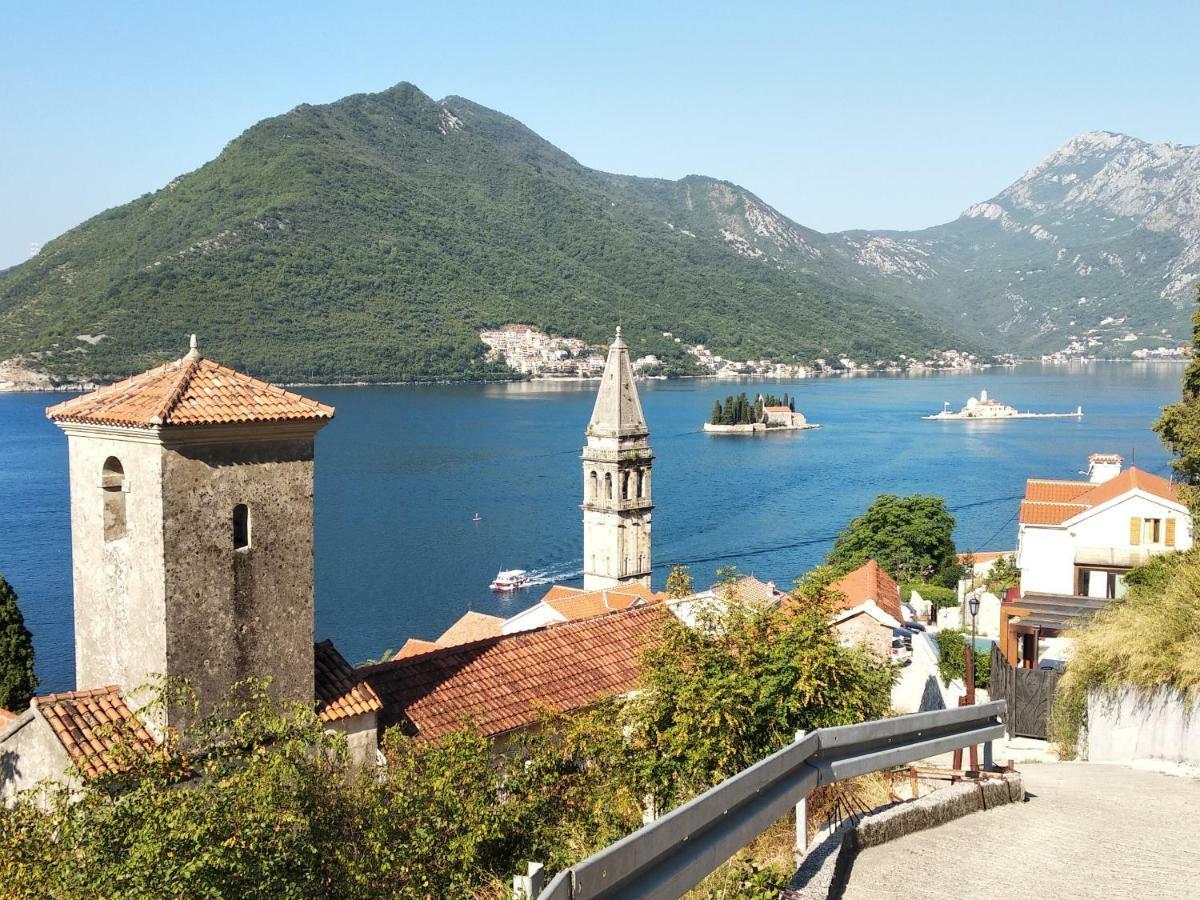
1103	466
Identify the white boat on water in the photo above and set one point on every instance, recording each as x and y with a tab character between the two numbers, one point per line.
511	580
984	407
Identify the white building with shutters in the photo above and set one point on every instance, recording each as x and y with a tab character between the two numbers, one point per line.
1080	538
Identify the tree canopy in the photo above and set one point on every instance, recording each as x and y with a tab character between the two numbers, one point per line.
17	681
241	805
911	537
1179	424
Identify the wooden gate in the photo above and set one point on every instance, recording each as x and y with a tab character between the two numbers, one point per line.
1029	692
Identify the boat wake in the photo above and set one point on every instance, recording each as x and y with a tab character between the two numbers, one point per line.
556	573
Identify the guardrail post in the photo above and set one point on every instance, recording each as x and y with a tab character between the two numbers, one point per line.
801	848
988	763
529	885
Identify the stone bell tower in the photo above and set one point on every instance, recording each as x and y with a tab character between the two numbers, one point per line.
616	480
192	530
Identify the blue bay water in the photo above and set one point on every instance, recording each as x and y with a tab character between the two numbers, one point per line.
402	470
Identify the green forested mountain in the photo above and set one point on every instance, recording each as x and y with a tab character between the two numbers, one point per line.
373	237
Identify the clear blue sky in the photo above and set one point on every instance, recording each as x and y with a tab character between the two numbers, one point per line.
842	115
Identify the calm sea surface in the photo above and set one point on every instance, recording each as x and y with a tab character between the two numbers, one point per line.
401	472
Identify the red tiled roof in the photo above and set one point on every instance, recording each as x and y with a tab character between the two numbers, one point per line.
340	693
1054	502
870	582
573	603
91	725
413	646
6	716
777	409
471	626
983	556
749	590
189	391
503	683
1040	513
1055	491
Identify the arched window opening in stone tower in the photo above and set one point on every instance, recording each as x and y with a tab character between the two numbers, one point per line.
624	485
112	481
241	527
608	485
641	484
594	486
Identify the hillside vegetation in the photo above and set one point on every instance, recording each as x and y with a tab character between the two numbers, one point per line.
370	239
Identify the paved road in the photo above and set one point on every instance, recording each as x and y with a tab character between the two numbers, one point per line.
1087	831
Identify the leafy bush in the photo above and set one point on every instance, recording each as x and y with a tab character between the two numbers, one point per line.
952	658
940	597
1149	638
260	800
911	537
719	696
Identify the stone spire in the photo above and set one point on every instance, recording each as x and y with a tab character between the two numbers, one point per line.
618	411
617	463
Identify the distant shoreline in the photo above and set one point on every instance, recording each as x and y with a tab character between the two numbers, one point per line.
80	387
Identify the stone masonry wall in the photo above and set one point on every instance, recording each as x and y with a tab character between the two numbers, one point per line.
233	614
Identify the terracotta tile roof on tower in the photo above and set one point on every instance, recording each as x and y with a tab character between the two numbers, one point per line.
1054	502
504	683
91	725
471	626
870	582
188	391
340	693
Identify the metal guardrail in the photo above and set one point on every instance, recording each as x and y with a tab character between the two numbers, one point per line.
675	852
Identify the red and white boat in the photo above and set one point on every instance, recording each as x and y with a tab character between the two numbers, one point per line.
511	580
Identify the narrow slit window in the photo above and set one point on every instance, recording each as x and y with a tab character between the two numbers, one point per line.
112	482
241	527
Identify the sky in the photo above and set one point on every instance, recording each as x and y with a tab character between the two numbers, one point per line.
841	115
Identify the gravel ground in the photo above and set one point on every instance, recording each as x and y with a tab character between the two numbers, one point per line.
1086	831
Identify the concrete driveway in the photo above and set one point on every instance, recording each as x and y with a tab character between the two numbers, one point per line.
1086	831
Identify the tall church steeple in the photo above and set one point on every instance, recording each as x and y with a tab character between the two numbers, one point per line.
616	480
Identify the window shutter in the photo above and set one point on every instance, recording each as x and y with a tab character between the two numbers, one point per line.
1170	540
1135	531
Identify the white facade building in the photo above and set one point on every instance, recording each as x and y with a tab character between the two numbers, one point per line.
1080	538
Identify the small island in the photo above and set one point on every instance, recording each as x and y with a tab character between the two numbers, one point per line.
741	415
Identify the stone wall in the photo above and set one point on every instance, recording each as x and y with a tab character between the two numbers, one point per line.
29	753
1133	724
362	737
239	613
120	613
862	629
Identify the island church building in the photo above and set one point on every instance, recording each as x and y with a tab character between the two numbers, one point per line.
192	541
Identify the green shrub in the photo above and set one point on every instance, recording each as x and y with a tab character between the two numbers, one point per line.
952	658
940	597
1149	638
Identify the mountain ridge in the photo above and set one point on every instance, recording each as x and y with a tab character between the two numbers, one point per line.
372	238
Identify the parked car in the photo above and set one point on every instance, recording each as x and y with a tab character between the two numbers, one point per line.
914	626
1052	665
901	651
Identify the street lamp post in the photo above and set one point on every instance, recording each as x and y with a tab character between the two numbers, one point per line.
973	606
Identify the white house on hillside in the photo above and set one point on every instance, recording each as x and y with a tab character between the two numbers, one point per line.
1080	538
